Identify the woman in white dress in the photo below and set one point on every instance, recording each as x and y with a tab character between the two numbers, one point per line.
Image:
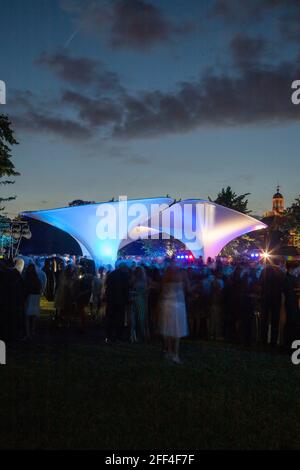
173	324
33	290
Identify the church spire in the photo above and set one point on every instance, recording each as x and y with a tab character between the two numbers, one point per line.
278	202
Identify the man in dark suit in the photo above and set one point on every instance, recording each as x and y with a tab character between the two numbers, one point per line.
117	297
291	293
271	280
11	301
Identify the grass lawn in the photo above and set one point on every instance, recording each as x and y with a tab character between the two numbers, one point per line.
75	392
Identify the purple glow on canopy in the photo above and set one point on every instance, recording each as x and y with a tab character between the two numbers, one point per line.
212	226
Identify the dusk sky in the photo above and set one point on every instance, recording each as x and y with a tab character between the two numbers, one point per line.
151	97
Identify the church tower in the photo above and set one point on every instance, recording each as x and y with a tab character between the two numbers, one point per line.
278	203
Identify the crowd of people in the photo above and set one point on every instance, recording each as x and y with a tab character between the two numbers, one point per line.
20	293
243	301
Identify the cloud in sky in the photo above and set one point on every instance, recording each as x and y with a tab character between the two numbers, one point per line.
247	50
31	113
234	10
290	26
140	25
133	24
93	111
80	71
286	14
253	96
260	94
63	127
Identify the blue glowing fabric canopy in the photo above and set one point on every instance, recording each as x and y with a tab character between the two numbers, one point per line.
102	229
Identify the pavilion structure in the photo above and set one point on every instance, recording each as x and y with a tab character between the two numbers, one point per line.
101	229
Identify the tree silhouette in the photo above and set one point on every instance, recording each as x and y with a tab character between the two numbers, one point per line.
228	198
80	202
293	213
7	168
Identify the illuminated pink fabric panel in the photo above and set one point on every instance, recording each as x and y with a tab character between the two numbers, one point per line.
204	227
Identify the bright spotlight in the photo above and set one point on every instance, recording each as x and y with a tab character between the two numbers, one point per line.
106	250
265	255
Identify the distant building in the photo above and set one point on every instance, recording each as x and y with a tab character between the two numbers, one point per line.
275	219
278	205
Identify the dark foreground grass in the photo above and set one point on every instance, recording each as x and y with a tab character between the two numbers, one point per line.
72	392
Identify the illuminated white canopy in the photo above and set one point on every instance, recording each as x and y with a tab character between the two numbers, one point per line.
101	229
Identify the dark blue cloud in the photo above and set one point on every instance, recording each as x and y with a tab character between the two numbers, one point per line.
132	24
